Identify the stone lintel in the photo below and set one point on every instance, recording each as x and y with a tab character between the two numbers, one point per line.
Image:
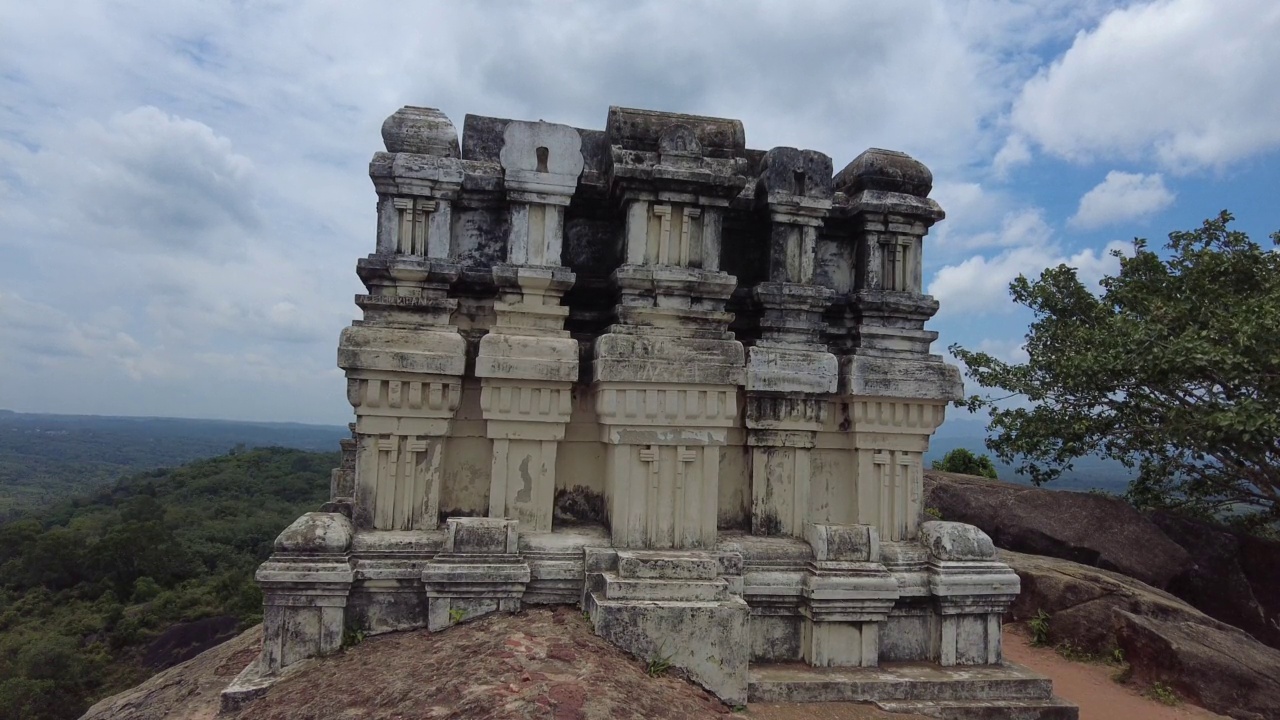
788	370
924	379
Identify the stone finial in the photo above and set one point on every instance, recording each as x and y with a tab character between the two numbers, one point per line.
886	170
316	533
956	541
422	131
787	173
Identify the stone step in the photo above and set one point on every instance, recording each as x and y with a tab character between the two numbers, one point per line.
1053	708
895	682
667	565
621	588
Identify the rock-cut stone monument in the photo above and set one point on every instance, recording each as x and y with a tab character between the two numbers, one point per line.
683	384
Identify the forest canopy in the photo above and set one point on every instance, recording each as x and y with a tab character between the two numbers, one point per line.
88	585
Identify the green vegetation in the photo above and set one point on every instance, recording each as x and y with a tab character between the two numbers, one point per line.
1039	626
1162	693
46	458
961	460
1173	370
87	585
657	667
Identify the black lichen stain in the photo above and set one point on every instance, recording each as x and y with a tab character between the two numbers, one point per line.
446	514
580	504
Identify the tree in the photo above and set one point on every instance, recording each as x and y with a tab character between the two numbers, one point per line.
1174	369
961	460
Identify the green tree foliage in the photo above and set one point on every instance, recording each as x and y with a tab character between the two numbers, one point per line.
961	460
1174	369
87	584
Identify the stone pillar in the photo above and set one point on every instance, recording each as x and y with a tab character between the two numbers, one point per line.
895	393
667	372
789	369
971	589
847	596
527	362
404	362
478	571
304	587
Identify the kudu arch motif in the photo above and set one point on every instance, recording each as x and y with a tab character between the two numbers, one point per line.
647	370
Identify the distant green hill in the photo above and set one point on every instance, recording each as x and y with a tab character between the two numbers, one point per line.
1088	473
100	590
46	457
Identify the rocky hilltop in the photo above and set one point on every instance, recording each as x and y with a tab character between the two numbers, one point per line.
1173	595
542	663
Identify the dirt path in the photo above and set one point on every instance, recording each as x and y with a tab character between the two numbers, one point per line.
1090	686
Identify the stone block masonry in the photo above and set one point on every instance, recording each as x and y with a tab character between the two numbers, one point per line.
647	369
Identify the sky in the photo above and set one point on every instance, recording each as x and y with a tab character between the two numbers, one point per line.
184	188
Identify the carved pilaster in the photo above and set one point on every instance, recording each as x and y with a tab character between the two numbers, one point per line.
403	360
527	363
788	368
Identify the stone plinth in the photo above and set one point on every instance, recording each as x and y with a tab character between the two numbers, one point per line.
676	608
848	595
478	571
304	587
972	591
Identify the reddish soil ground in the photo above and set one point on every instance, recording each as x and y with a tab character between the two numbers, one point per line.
1090	685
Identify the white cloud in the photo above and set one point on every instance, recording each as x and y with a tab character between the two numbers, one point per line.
1122	196
1188	83
981	284
1014	153
1023	227
148	181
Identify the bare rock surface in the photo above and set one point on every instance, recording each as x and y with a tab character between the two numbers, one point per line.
1233	577
1095	530
1220	667
541	663
1164	639
1080	600
189	691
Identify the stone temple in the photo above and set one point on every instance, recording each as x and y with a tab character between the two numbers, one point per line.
683	384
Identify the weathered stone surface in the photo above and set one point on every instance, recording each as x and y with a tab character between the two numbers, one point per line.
887	170
1081	601
1232	577
1089	529
1219	667
422	131
708	640
1163	638
317	532
956	541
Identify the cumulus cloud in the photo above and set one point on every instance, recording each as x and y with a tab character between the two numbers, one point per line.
1187	83
1013	153
1122	196
980	284
146	180
1022	227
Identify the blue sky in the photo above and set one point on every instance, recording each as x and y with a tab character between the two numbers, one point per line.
183	188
